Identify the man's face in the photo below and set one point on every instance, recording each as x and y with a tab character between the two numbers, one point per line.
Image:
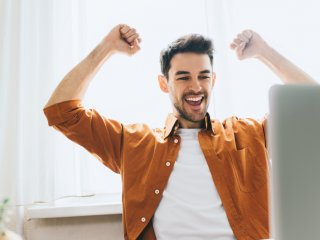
189	85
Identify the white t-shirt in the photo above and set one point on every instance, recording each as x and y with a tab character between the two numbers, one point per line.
191	207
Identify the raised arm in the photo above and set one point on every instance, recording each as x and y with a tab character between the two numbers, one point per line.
101	136
249	44
121	39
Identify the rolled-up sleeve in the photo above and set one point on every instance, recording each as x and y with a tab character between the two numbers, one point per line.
100	136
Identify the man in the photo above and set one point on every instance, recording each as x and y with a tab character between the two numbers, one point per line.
196	178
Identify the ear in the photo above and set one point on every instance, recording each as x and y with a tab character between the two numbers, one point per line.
163	83
213	78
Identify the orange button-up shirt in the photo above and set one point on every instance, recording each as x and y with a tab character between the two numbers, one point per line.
235	151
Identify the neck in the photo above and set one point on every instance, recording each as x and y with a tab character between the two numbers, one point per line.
189	124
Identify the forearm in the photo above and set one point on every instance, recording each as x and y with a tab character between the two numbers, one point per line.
288	72
76	82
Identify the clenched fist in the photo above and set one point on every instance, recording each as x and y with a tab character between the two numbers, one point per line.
248	44
123	39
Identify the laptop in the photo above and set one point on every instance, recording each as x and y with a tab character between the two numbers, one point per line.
294	146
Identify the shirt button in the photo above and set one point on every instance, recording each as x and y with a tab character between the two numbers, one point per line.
156	191
168	164
176	140
143	219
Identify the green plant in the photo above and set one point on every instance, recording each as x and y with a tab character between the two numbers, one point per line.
4	218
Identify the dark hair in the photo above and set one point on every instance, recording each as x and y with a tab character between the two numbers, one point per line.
194	43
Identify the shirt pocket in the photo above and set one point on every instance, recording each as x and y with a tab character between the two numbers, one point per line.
249	171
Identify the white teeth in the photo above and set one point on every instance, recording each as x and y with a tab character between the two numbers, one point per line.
195	99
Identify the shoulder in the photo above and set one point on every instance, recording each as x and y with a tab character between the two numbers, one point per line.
246	124
247	130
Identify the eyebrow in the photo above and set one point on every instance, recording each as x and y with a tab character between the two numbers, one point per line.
206	71
186	72
182	72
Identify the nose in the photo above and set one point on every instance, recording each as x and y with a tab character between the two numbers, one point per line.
195	86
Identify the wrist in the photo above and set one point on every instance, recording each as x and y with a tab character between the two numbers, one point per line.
105	49
265	53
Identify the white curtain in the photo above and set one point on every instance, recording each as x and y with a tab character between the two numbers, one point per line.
40	41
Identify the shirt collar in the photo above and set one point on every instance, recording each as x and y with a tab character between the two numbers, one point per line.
172	124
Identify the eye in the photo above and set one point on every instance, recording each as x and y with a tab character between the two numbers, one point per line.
204	77
183	78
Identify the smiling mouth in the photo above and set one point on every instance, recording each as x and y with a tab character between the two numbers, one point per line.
194	100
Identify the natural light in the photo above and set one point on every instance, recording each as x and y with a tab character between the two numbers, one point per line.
40	41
